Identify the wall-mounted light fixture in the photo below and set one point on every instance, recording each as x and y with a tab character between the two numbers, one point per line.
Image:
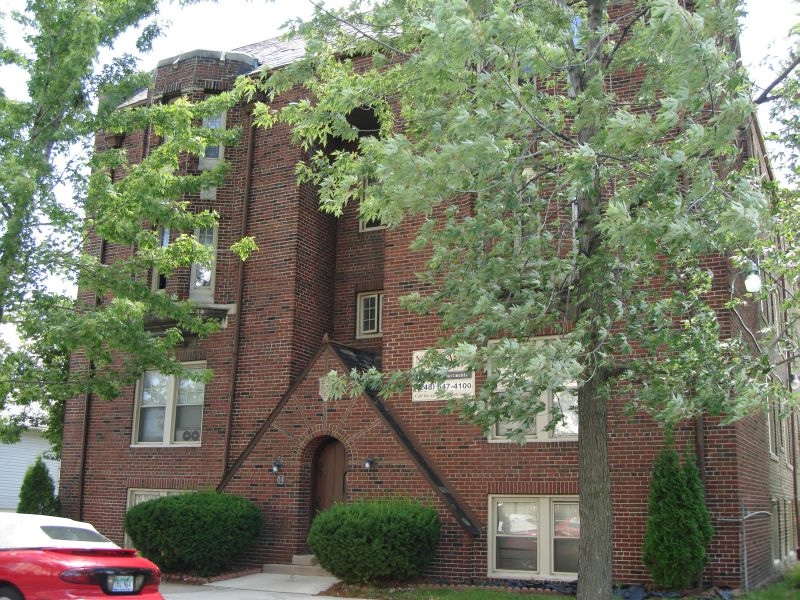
752	281
277	465
369	463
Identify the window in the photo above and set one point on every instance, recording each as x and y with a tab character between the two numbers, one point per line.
159	281
564	402
369	320
365	225
137	496
213	154
201	284
169	408
533	536
777	435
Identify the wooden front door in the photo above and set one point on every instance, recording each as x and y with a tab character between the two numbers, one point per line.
329	476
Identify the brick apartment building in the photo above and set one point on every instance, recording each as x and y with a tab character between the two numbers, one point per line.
322	294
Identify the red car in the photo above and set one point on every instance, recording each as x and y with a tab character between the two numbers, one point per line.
51	558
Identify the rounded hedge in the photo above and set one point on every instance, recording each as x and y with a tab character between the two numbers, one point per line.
375	541
196	532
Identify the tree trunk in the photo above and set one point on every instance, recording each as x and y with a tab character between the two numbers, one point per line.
594	477
594	480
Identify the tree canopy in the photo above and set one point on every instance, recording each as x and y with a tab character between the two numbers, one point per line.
47	142
581	179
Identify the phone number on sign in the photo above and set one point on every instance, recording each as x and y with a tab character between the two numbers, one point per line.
460	385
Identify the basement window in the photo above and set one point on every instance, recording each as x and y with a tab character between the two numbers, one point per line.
533	537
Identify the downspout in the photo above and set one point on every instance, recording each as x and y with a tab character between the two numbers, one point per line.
84	441
89	396
700	452
793	445
795	458
700	447
248	176
86	416
794	441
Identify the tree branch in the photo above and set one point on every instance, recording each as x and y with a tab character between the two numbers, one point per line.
359	31
765	95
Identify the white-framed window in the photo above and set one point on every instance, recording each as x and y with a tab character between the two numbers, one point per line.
777	432
369	315
365	225
564	402
533	537
213	154
139	495
159	280
169	408
203	275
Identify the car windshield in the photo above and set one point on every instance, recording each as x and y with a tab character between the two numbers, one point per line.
73	534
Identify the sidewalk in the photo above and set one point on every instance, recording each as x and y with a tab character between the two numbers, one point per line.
261	586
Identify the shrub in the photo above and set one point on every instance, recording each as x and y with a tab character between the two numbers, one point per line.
38	493
377	541
197	532
679	524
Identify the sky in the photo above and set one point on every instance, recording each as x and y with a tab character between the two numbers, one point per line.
232	23
228	24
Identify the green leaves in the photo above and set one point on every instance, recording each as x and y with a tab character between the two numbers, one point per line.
679	526
45	142
548	185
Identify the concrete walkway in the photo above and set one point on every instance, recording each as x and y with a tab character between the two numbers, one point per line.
262	586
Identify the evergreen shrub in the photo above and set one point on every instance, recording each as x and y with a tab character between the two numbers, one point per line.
679	524
37	495
375	541
196	532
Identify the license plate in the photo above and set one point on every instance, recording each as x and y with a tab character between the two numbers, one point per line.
122	583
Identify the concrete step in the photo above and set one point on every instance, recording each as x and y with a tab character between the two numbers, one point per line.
302	564
305	560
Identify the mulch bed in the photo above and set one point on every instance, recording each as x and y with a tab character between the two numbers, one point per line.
198	580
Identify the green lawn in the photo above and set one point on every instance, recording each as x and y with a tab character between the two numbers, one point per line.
787	589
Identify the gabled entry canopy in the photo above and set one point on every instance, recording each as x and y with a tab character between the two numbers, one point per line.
351	358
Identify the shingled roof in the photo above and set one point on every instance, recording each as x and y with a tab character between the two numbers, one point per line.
275	52
272	53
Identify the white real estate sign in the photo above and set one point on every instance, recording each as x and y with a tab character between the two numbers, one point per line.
460	383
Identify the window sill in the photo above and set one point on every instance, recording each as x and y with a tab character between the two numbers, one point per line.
163	445
533	440
206	164
526	576
211	310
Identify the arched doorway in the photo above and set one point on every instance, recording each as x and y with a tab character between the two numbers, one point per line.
328	476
